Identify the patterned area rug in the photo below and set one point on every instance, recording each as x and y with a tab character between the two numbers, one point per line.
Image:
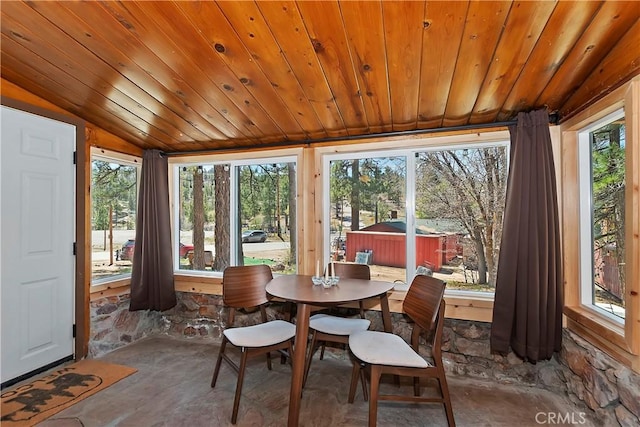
33	402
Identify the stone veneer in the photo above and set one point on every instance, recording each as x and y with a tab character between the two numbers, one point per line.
587	375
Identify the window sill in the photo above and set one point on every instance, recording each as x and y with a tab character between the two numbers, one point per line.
198	283
458	307
463	307
115	287
593	326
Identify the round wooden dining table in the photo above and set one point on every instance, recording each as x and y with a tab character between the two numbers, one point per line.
300	290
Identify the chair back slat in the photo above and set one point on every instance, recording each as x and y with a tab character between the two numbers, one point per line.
422	301
244	286
351	271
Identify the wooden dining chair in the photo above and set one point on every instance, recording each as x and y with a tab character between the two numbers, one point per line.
244	287
328	328
386	353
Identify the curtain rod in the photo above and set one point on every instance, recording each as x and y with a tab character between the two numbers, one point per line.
553	119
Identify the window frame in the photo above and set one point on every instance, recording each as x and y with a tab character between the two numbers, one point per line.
310	230
620	340
234	160
409	152
585	174
326	196
96	153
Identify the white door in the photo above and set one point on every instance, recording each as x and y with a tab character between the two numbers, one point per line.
37	203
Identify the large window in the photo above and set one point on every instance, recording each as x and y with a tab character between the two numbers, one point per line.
114	200
602	215
601	222
459	200
367	210
236	213
203	217
266	215
450	227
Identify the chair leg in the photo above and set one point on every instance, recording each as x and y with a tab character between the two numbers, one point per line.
355	375
444	389
236	400
310	352
289	356
376	373
363	380
416	386
322	350
268	360
223	345
396	380
286	354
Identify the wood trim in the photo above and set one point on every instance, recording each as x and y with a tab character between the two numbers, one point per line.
311	193
623	343
198	284
607	105
231	155
111	285
99	138
109	292
83	243
463	308
408	142
94	135
591	320
15	92
183	283
632	216
604	344
469	309
569	194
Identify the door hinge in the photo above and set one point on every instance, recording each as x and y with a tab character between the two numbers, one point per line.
75	157
73	330
75	248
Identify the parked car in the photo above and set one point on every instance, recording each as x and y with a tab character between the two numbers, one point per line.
126	253
253	236
185	249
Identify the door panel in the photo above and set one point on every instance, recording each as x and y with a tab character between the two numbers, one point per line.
37	234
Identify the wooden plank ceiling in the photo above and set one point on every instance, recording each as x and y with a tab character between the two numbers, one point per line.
190	76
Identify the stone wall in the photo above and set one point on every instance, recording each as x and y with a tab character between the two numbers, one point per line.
194	316
113	325
592	379
586	374
609	388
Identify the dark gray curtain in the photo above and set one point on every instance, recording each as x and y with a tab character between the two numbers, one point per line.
527	312
152	286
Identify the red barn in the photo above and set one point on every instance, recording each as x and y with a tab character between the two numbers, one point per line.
387	242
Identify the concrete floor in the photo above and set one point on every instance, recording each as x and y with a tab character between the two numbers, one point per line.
172	388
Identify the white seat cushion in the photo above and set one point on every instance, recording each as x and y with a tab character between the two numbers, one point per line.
334	325
261	335
381	348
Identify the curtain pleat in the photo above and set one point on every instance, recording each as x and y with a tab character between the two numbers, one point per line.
152	285
527	313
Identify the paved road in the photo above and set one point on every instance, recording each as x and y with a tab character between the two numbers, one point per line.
99	255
